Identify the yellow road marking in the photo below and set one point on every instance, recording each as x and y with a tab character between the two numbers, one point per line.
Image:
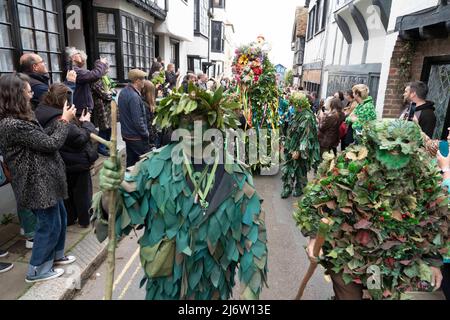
129	282
125	269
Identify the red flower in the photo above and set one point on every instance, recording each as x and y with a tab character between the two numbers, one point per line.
257	71
381	219
256	78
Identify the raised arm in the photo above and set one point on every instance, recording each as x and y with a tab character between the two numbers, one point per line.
86	76
33	137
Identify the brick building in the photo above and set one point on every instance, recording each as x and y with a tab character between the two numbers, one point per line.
384	44
422	52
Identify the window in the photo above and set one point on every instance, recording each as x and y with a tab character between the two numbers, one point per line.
312	87
107	39
325	13
107	49
219	4
127	45
36	30
137	44
6	45
311	23
125	40
319	14
217	41
195	64
106	23
175	53
201	18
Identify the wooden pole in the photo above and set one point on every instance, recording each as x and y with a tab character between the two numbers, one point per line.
101	140
112	210
320	240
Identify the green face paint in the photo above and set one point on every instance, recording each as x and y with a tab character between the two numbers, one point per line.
395	142
393	161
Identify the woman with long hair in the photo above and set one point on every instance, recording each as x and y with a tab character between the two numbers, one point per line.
348	139
78	153
149	97
38	173
329	124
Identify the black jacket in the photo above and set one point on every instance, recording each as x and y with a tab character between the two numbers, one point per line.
39	84
78	152
171	79
427	118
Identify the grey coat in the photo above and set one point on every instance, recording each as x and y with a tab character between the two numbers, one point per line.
37	169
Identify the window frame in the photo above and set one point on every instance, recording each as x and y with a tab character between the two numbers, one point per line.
311	23
148	44
17	43
222	37
100	37
198	18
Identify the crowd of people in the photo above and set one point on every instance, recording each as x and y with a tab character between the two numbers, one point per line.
45	139
46	142
340	120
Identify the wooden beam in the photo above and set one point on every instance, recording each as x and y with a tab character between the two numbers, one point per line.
359	21
343	26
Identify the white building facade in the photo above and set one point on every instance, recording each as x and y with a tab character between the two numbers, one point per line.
384	44
173	35
212	48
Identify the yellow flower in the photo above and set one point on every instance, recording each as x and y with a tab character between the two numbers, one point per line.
243	60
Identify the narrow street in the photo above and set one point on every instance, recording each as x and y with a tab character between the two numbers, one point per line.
287	257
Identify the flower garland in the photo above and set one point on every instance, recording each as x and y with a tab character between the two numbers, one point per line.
248	64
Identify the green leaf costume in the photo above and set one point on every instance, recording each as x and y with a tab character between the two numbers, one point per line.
388	210
191	249
302	137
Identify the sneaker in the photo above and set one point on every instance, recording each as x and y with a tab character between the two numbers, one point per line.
29	243
52	274
3	253
5	267
65	260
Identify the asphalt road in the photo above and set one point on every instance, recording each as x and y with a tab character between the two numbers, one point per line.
287	258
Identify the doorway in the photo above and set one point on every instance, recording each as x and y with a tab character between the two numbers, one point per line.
437	76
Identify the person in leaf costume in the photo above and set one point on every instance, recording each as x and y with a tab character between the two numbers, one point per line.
301	149
203	221
388	212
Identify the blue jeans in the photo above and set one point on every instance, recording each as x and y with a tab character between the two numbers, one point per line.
49	239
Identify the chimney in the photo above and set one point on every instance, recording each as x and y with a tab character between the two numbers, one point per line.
308	1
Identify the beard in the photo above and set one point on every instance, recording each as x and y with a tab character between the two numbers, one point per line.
393	161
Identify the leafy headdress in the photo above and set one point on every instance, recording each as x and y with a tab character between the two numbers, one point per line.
182	109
